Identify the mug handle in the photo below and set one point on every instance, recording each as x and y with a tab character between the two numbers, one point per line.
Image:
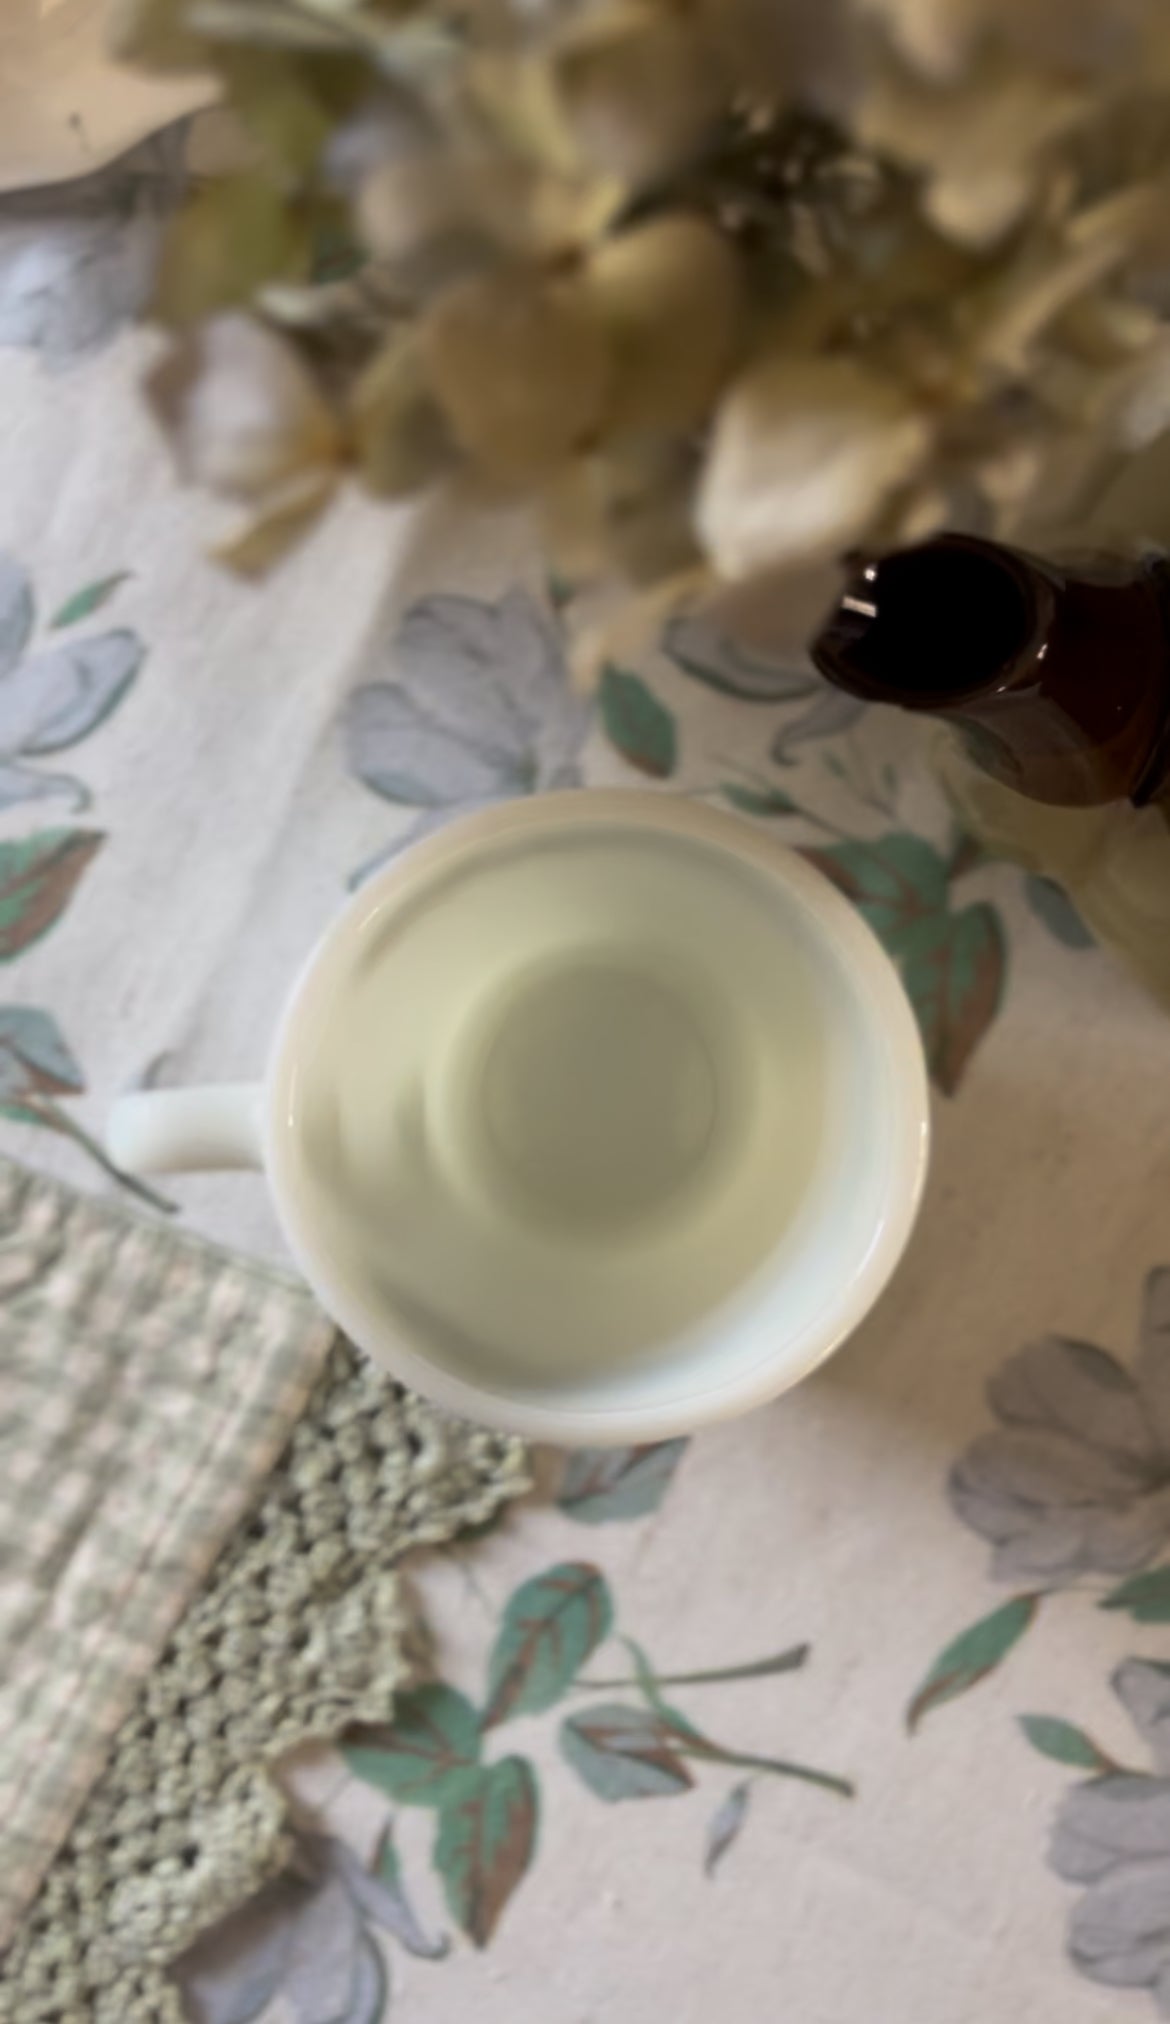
167	1131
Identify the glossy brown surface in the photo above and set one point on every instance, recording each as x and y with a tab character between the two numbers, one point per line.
1057	676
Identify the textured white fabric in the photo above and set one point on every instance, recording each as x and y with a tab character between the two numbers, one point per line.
238	790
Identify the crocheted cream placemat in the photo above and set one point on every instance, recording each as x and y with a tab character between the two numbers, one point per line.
301	1630
148	1382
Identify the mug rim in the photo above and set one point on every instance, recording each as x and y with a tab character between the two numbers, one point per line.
880	995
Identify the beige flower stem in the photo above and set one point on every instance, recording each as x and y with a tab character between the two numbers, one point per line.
51	1115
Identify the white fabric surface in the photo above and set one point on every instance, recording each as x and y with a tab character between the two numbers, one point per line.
232	824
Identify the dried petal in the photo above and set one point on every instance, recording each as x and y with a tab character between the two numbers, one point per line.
269	24
287	118
1048	279
515	95
941	38
934	36
520	368
1023	304
417	215
404	203
572	524
559	219
255	540
927	511
942	226
980	145
154	33
1103	332
401	438
1085	466
773	54
805	452
228	239
670	299
1139	397
1135	507
774	615
623	628
242	412
531	190
650	522
386	124
628	508
638	89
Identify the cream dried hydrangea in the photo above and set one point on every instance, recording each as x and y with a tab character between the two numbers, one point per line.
724	285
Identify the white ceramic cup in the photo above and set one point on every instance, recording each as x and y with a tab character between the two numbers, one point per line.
652	1118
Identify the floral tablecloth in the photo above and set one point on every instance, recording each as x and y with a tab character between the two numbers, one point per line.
856	1708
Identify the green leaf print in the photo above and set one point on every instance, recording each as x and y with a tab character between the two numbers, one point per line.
788	1661
897	882
551	1625
1146	1596
1065	1743
651	1684
954	969
761	801
691	1742
725	1826
432	1742
486	1837
625	1753
637	723
87	600
34	1057
699	649
37	879
1052	905
971	1656
603	1484
953	964
37	1066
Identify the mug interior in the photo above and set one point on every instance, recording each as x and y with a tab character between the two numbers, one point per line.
598	1116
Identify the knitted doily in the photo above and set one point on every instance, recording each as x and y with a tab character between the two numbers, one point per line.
300	1631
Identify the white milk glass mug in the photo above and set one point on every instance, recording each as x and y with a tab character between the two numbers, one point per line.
595	1117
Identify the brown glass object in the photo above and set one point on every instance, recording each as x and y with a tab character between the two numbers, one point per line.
1055	676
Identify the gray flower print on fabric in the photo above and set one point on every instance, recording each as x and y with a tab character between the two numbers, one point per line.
52	698
1076	1478
479	709
700	649
1113	1835
309	1939
77	258
829	715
